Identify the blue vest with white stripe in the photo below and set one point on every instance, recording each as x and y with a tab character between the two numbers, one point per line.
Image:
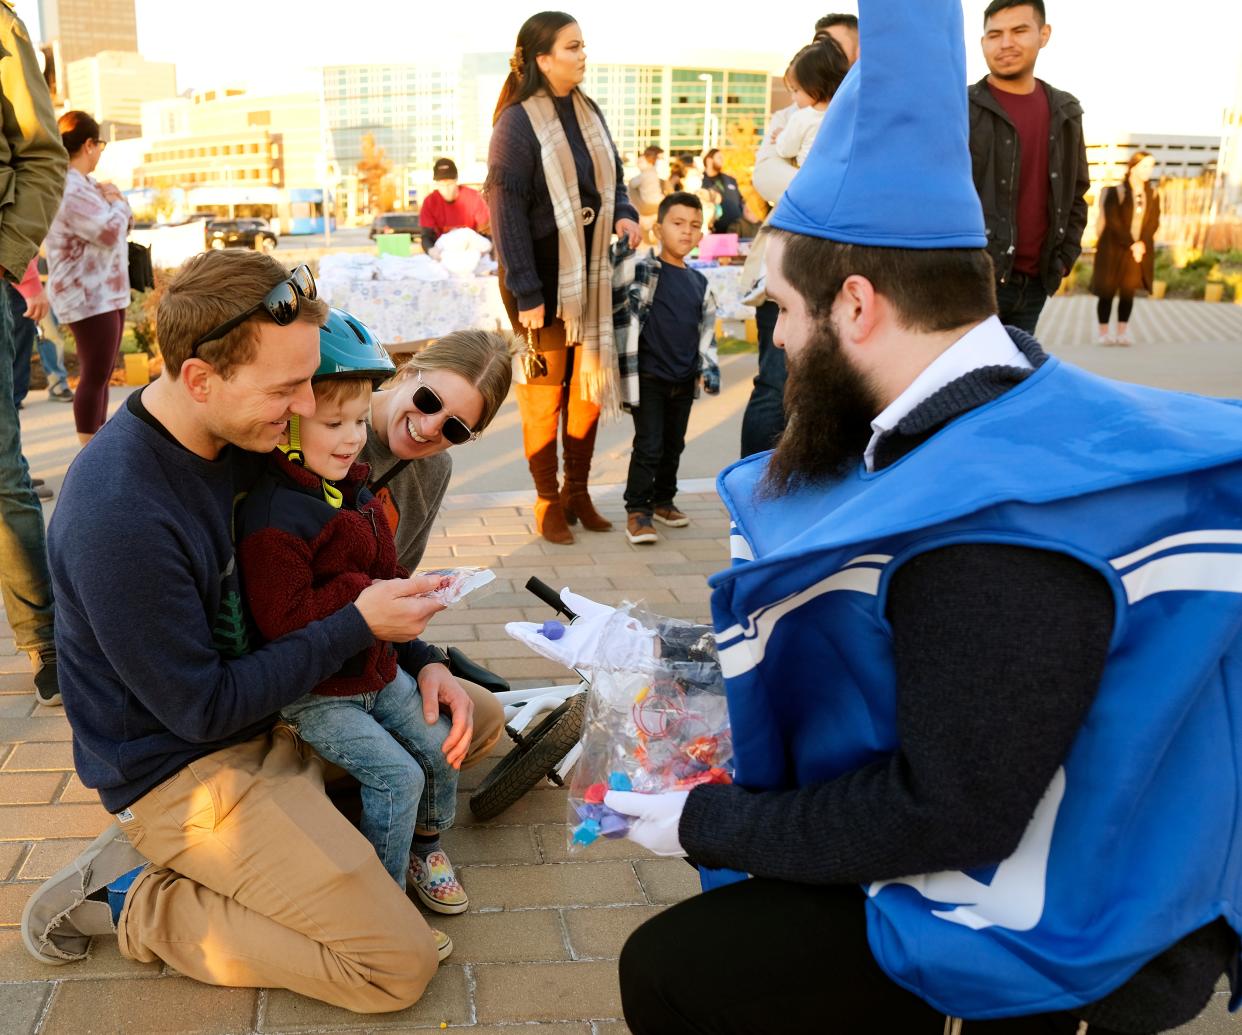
1136	841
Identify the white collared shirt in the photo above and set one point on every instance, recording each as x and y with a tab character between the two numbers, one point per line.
987	345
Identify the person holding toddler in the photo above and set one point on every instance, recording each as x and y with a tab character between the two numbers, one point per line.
311	537
813	77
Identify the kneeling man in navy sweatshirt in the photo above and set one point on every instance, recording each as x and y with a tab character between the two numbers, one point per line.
226	859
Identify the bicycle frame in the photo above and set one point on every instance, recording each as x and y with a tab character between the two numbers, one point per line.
522	707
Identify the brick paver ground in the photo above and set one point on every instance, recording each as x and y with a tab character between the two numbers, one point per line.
537	951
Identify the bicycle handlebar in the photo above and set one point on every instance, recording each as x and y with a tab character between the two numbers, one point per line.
550	597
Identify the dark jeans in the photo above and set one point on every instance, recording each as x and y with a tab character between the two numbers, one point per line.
660	421
764	419
25	583
768	956
1020	301
23	341
1104	309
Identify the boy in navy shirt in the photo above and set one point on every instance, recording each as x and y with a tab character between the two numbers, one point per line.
666	346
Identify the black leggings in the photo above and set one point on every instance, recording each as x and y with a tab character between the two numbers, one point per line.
1124	308
769	956
98	341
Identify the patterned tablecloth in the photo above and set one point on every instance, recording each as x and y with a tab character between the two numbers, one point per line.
726	282
400	311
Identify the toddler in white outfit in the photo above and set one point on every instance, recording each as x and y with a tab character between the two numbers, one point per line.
812	78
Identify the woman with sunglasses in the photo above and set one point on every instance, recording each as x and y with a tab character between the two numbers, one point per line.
557	193
442	397
88	269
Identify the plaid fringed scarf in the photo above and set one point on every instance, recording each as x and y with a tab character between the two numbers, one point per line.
583	293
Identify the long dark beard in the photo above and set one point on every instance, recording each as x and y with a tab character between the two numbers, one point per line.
829	407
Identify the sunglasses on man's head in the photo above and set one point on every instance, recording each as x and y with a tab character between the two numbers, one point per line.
454	429
281	304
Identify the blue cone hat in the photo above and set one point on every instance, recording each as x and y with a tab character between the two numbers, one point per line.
890	166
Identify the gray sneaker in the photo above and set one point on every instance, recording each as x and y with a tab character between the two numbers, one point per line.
72	905
46	680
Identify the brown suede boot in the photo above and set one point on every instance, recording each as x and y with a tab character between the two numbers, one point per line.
581	425
539	406
551	522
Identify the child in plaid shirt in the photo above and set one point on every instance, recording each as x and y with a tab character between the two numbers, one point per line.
665	321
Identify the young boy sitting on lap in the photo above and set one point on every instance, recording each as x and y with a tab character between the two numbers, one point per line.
312	537
666	344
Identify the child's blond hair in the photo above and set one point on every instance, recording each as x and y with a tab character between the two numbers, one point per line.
341	389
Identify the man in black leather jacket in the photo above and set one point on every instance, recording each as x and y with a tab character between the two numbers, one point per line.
1030	163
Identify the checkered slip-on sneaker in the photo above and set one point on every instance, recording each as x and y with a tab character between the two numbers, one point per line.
436	884
444	944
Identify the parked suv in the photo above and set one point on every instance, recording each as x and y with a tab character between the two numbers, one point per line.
241	233
396	223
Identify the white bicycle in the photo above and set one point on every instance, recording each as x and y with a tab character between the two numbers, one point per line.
550	748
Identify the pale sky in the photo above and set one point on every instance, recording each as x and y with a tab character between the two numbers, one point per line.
1145	66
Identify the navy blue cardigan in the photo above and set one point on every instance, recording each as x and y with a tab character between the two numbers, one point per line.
521	207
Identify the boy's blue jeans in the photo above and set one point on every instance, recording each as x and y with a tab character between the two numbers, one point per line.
383	741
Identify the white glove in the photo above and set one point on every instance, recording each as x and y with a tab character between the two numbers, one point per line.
655	818
579	646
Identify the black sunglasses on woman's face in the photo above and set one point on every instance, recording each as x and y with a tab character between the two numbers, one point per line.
454	429
281	304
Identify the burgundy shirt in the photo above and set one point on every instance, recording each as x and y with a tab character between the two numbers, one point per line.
1032	118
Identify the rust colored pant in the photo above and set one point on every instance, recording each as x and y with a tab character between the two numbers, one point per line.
550	404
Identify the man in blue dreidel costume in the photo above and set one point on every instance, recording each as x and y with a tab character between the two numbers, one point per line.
982	639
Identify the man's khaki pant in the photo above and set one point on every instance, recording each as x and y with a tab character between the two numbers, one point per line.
261	882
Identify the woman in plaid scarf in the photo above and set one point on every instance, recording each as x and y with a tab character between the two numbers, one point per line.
554	176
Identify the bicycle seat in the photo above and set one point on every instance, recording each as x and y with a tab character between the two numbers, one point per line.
462	667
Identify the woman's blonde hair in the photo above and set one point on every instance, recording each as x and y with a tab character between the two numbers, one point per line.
483	358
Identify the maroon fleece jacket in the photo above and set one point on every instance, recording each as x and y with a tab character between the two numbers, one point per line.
303	559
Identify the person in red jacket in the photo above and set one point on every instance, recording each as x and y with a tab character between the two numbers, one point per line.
311	538
450	206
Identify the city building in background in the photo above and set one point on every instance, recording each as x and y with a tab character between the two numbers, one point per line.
1177	156
234	154
683	110
114	84
75	29
414	114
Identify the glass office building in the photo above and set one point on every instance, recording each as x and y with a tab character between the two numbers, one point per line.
679	109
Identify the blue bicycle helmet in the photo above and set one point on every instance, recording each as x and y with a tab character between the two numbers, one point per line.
348	349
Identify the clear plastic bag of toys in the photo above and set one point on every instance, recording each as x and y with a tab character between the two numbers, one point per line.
457	583
655	720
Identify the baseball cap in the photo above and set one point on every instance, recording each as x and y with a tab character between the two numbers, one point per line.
444	169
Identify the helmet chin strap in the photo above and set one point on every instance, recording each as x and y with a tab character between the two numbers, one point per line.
293	453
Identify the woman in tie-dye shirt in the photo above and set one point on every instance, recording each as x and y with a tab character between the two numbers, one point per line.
88	268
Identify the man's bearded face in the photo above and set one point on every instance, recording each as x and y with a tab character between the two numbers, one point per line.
829	406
